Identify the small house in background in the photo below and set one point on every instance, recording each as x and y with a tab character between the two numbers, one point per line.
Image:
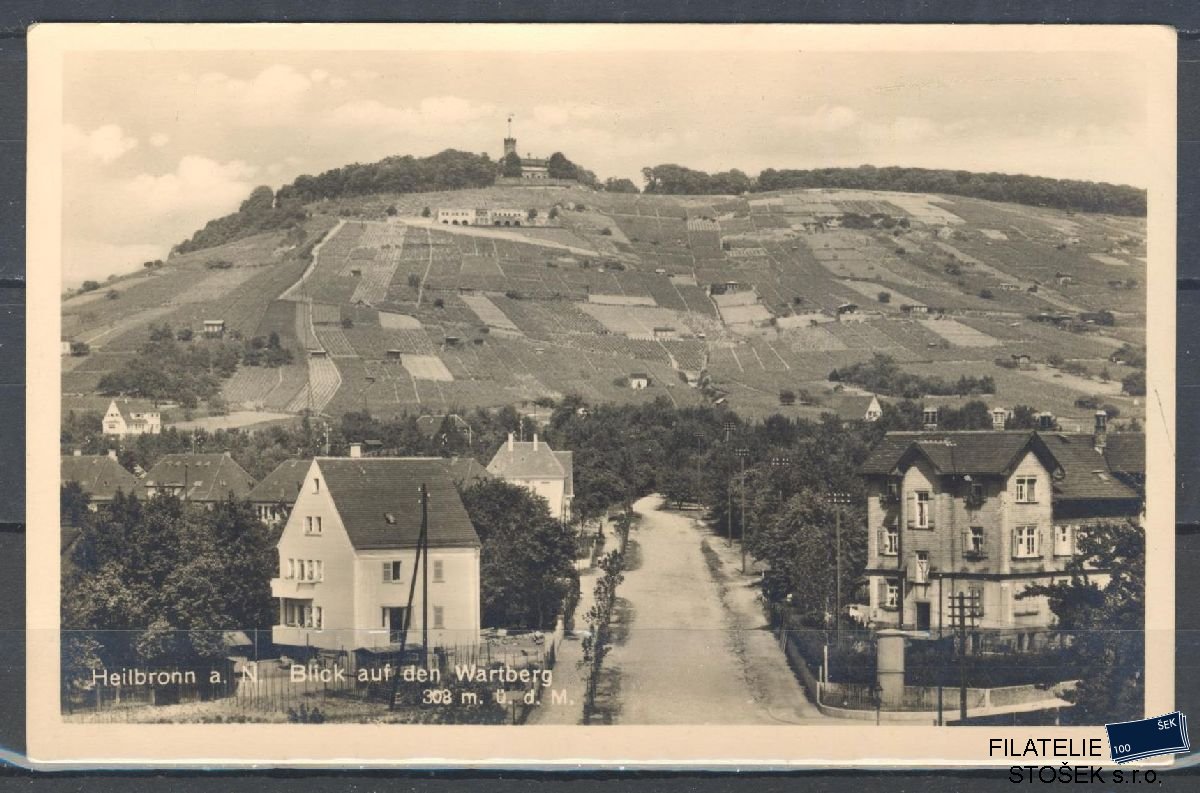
847	308
442	427
1023	360
664	332
539	469
639	381
214	328
395	355
123	419
853	408
99	476
200	478
65	348
1000	417
272	498
915	308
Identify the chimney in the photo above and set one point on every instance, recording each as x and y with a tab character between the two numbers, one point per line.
510	441
535	441
78	452
1100	433
356	450
112	454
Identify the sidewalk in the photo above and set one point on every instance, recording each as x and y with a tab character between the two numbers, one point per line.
569	676
766	666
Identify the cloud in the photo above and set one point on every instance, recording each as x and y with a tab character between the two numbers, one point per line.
433	115
104	144
826	118
558	114
270	97
159	139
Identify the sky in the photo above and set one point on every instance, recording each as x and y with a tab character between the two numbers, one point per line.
155	143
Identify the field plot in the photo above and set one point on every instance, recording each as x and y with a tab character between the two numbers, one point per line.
251	385
637	321
958	334
324	381
426	367
304	328
621	300
393	321
810	339
334	341
545	319
489	314
323	314
741	310
1112	261
292	378
375	343
871	290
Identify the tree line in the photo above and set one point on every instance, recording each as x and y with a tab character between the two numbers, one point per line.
1067	194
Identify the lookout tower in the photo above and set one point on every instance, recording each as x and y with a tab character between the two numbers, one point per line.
510	143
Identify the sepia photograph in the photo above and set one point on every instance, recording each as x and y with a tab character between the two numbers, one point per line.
596	377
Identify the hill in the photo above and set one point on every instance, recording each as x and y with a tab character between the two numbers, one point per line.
714	298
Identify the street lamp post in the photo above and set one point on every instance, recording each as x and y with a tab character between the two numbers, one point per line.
838	499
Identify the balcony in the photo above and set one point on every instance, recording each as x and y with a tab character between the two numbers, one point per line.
292	588
975	556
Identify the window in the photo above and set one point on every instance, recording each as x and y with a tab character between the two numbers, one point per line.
391	572
1064	540
437	617
438	570
975	495
923	504
1025	542
318	617
975	600
891	594
1027	489
316	484
973	542
891	541
291	569
312	524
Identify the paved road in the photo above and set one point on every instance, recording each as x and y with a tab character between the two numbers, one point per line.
685	652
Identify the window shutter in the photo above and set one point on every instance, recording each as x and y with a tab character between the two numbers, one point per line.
387	571
910	514
1041	541
931	505
881	592
879	538
966	540
1015	542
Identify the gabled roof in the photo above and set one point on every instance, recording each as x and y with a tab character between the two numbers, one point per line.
99	476
567	461
127	409
378	499
958	452
429	425
524	461
1082	472
1087	473
465	471
282	485
208	477
849	407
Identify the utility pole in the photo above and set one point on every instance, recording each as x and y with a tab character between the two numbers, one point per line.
419	561
838	499
743	453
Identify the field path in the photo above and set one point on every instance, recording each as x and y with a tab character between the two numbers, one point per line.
288	294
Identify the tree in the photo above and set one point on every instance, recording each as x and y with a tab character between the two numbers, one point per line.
531	214
619	185
160	581
527	558
426	212
1134	383
1105	620
986	293
559	167
1023	417
800	546
787	397
89	286
885	297
392	211
511	165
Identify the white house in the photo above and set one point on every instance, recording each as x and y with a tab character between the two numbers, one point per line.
537	467
123	420
347	558
639	381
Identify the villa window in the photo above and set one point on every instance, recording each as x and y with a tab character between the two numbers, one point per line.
1025	542
1026	490
891	594
890	541
438	621
438	571
391	572
1064	540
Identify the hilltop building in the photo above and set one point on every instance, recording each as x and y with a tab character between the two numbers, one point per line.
199	478
532	168
123	420
539	469
347	557
988	514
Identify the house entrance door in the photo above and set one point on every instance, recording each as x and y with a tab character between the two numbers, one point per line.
923	616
